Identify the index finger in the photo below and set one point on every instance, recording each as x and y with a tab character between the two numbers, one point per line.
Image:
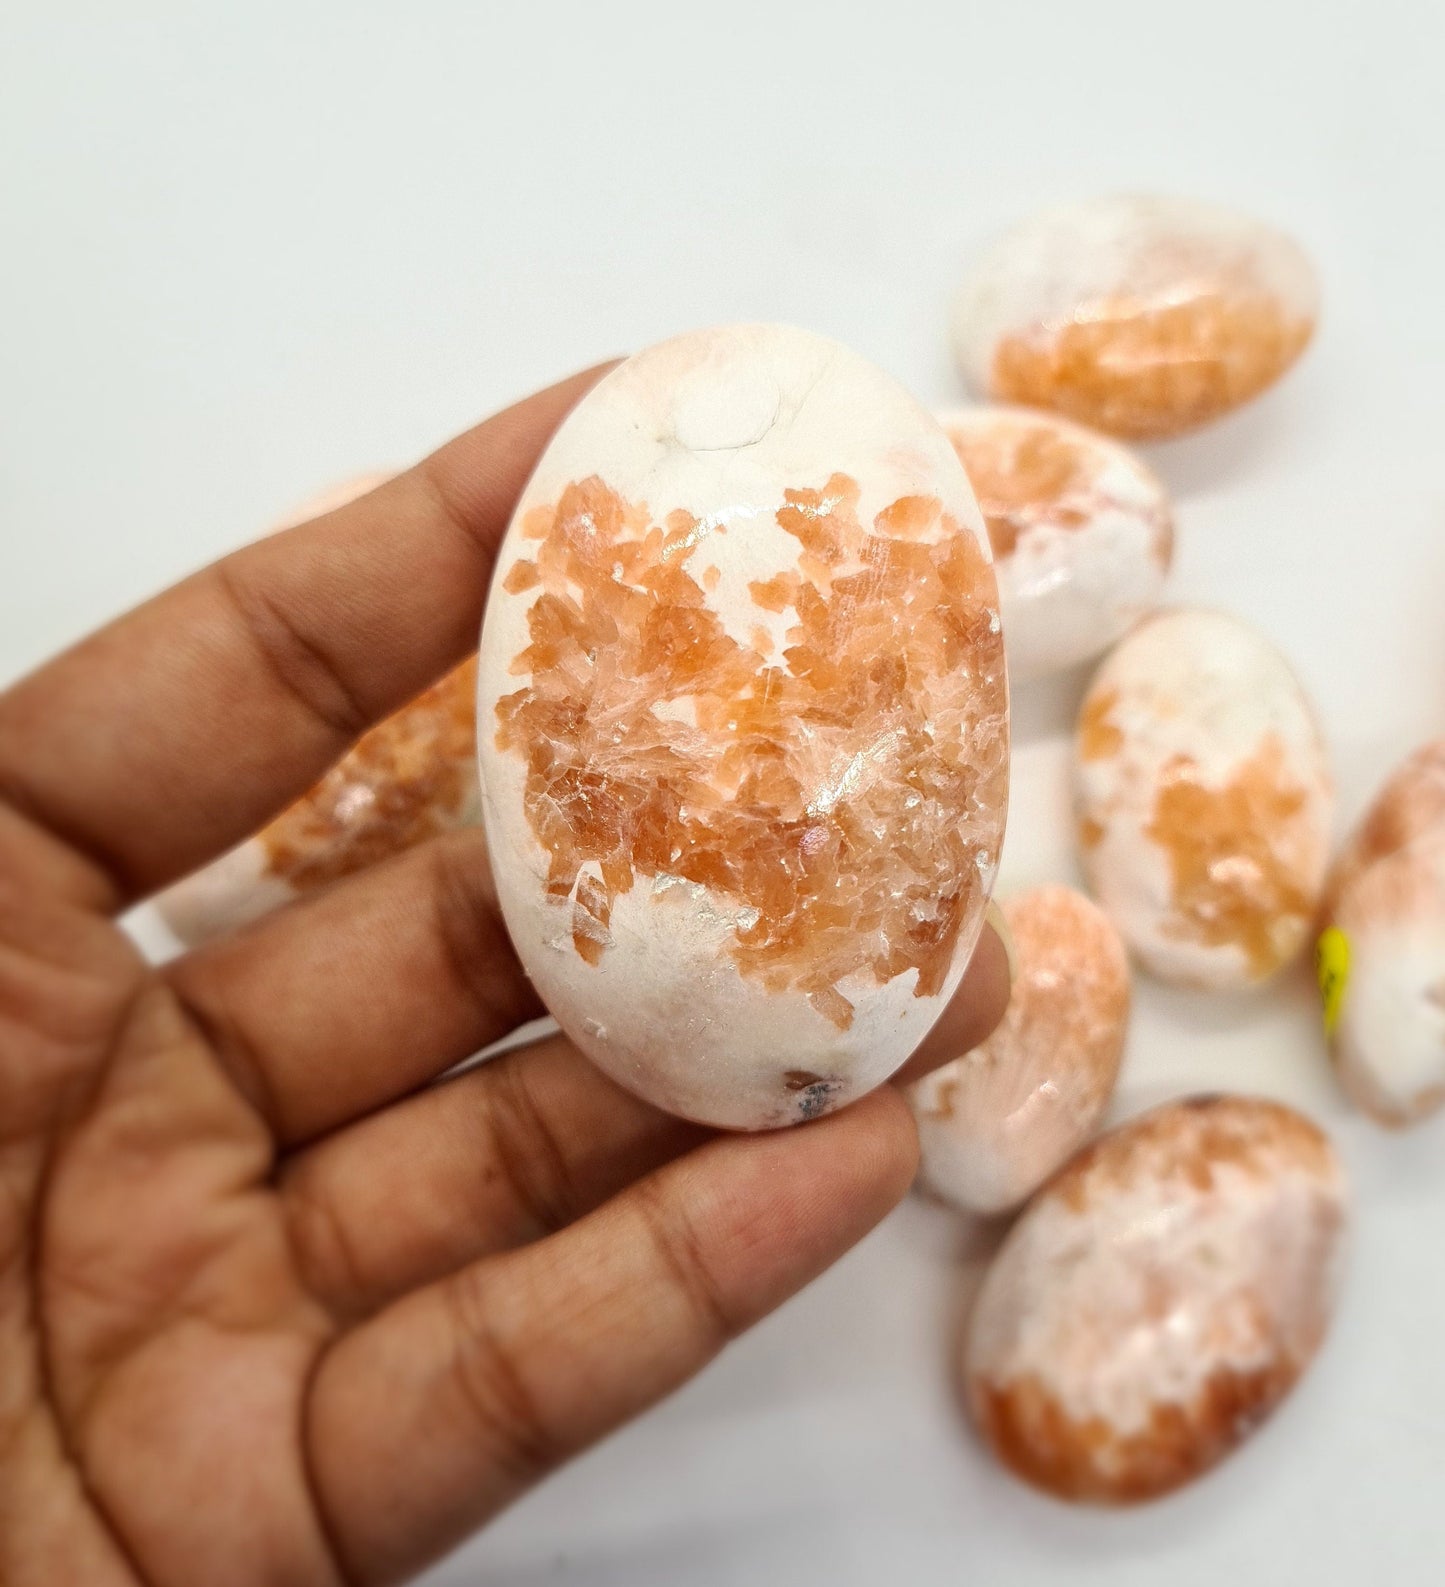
180	728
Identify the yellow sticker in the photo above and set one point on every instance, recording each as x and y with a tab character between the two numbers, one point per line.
1332	965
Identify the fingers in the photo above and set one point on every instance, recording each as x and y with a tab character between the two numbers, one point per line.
164	738
506	1153
496	1157
35	861
496	1375
359	994
493	1159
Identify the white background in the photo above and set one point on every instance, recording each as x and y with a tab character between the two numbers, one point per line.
246	250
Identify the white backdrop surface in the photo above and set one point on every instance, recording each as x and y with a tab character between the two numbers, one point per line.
245	250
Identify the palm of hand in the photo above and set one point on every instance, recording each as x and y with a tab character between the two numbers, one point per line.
273	1308
162	1333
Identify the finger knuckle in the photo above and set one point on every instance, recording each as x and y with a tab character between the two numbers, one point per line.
471	935
299	664
530	1153
491	1380
326	1254
682	1253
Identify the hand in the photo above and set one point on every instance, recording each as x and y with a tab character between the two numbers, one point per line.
273	1308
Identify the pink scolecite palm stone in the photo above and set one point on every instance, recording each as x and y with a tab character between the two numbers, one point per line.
1158	1299
743	725
1138	314
1204	800
1385	903
1082	532
998	1121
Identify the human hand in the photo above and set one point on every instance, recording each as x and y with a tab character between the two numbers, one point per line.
274	1308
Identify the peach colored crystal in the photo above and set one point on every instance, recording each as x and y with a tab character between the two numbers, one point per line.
995	1123
1147	1315
404	781
1141	369
1028	470
1037	1439
1409	806
1070	1001
1229	849
1014	469
847	795
1099	735
1189	1141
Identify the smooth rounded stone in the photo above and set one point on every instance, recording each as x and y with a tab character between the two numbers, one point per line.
995	1123
1411	805
1143	316
1082	532
1158	1299
410	777
1382	953
743	725
1204	800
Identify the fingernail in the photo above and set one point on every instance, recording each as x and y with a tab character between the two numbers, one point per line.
993	916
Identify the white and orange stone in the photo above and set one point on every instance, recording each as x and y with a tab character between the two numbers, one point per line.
995	1123
1385	910
1410	805
743	732
1142	316
1082	532
1204	800
407	779
1158	1299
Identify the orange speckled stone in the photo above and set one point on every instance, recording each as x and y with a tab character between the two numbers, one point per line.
995	1123
1082	532
1158	1299
1141	316
1411	805
746	752
1203	800
1386	901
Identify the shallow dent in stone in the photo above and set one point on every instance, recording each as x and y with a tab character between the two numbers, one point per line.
720	410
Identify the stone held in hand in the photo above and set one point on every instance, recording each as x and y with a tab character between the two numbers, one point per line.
743	725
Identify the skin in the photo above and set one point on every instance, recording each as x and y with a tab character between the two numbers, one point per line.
273	1307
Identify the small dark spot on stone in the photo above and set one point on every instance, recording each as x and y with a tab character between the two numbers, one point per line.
815	1093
